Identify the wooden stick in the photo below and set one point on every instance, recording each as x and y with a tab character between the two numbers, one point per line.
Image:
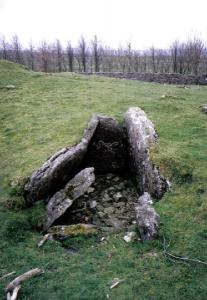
15	292
16	282
116	282
46	237
182	259
8	274
8	296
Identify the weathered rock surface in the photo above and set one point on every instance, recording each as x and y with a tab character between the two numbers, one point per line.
141	135
64	198
146	217
107	149
204	108
58	169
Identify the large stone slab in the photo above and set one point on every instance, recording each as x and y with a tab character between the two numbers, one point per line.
64	198
59	168
141	136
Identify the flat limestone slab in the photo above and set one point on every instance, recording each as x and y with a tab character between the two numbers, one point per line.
64	198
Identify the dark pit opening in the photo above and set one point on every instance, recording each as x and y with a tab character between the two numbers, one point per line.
109	202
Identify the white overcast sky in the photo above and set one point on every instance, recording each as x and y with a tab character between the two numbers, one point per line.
116	22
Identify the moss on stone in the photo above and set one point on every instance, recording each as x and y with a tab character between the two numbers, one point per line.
73	230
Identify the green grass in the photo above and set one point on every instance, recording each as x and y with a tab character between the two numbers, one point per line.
46	112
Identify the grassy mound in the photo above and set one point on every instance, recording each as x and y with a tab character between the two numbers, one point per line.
45	112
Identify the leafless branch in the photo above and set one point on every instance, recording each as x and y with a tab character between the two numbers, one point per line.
180	258
16	282
7	275
13	295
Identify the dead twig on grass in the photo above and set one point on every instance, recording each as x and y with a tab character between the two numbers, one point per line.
185	260
14	286
46	237
115	282
14	294
7	275
31	273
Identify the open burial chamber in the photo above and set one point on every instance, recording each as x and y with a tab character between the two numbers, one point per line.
107	180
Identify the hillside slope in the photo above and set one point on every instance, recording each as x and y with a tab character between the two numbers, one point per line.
45	112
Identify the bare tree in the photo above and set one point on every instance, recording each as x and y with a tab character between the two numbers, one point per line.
194	50
107	59
96	54
4	48
17	51
136	62
129	56
31	56
44	56
144	62
181	58
59	55
174	56
122	59
70	55
152	55
160	56
83	53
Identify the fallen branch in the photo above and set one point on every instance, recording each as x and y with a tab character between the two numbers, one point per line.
16	282
7	275
180	258
8	296
14	294
115	282
46	237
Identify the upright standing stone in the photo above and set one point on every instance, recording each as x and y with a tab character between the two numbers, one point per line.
146	217
141	135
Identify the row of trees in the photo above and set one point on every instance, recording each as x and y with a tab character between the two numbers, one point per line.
185	58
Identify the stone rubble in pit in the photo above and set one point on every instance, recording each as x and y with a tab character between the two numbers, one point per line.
109	206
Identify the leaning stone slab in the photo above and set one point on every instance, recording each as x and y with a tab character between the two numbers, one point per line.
146	217
141	135
59	168
64	198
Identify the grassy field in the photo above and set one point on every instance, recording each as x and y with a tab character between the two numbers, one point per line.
46	112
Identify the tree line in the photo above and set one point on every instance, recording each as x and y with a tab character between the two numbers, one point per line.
188	57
